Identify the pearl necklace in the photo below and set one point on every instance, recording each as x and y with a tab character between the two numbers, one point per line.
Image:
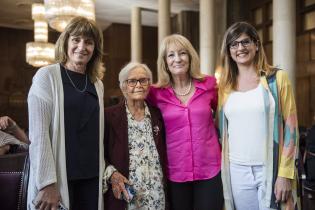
186	92
75	87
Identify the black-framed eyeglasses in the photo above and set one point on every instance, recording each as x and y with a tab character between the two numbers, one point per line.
245	43
134	82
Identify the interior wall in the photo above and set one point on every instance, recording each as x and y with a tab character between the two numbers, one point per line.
117	54
187	24
16	74
305	77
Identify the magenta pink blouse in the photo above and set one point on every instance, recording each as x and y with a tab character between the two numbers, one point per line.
193	150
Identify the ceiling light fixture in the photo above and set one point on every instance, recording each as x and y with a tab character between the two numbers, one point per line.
60	12
40	53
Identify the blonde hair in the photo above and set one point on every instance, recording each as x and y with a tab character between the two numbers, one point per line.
80	26
164	75
229	73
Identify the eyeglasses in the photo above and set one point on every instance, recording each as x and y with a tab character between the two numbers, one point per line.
245	43
134	82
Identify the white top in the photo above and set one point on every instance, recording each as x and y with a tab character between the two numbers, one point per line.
246	126
6	138
47	134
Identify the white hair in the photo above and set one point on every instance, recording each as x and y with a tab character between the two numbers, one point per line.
124	72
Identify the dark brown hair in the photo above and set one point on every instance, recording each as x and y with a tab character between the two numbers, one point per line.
228	78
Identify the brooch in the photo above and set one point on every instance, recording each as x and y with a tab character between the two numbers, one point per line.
156	130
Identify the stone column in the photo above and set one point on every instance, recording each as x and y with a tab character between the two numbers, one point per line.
136	35
207	37
164	22
284	37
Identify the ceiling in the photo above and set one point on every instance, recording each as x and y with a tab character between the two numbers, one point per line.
17	13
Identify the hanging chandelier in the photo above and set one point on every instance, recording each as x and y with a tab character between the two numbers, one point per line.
40	31
41	52
60	12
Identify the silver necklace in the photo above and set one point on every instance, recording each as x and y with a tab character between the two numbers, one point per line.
186	92
75	87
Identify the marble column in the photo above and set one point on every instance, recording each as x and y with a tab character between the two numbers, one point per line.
207	37
136	35
284	37
164	19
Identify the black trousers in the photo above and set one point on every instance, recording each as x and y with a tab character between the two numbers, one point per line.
83	194
197	195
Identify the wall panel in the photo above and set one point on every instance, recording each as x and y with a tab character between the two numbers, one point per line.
117	54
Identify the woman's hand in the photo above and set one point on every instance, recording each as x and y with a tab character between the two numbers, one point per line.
6	123
283	189
118	185
47	198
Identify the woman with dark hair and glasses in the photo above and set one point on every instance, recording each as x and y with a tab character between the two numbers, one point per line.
134	146
258	126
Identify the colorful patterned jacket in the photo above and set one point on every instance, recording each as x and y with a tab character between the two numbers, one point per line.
281	143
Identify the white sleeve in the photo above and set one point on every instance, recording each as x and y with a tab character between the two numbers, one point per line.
109	170
40	150
6	138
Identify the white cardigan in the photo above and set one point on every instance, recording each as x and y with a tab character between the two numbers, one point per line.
47	134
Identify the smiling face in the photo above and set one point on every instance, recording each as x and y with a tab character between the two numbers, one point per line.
80	50
243	50
177	60
136	86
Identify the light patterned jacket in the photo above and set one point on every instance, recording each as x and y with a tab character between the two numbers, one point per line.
281	150
47	135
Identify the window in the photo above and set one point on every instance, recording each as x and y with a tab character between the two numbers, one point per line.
309	2
261	17
309	20
305	15
258	16
261	34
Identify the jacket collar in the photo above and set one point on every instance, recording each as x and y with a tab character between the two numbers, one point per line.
200	84
120	120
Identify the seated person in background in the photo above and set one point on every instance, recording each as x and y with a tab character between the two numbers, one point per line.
11	136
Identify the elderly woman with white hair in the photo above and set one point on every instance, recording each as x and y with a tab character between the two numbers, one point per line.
134	146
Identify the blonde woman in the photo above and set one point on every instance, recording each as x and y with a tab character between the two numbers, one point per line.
187	100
